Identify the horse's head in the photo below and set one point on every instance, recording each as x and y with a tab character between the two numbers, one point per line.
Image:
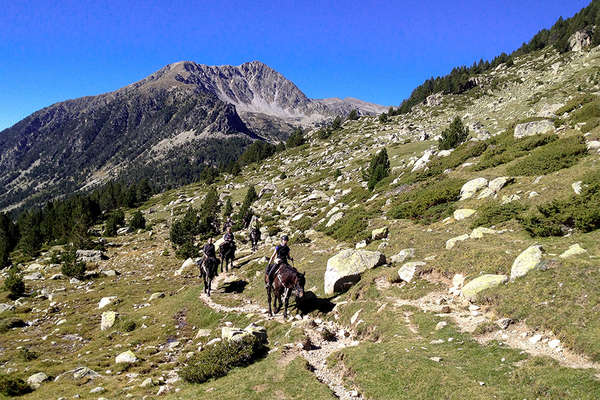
300	282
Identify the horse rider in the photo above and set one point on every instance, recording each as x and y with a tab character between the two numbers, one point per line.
228	238
281	255
228	223
209	250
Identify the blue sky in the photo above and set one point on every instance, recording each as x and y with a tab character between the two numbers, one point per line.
374	50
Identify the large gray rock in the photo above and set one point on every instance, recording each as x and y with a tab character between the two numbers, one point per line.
6	307
402	256
127	357
190	263
528	260
423	161
463	213
381	233
574	250
471	289
580	40
534	128
35	380
106	301
334	218
89	255
450	243
469	189
411	270
108	320
36	276
345	268
497	184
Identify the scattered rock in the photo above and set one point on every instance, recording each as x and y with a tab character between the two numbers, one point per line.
411	270
378	234
450	243
98	389
554	344
464	213
90	255
473	186
126	357
189	263
481	283
423	161
345	268
403	255
334	218
202	333
36	276
577	187
504	323
105	301
158	295
535	338
533	128
574	250
148	382
529	259
108	320
478	232
441	325
35	380
6	307
580	40
497	184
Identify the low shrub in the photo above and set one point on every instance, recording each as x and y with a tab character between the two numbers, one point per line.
299	238
28	355
9	323
581	212
303	224
14	283
12	386
559	154
494	213
351	227
128	325
137	221
328	335
504	148
71	267
218	359
273	230
428	203
576	103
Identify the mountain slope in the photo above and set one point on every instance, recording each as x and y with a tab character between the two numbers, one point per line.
176	120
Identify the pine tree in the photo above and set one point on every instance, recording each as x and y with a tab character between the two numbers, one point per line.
454	135
296	139
353	115
227	208
137	221
379	168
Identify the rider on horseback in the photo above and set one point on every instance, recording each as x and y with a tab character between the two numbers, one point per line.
281	256
209	250
228	239
228	224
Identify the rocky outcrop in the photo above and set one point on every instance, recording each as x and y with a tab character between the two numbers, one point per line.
345	268
528	260
470	188
533	128
411	270
580	40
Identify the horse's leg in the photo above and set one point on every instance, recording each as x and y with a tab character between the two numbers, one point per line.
286	299
269	300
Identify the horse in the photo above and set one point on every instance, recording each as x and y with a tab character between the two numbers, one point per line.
208	271
285	281
255	238
227	253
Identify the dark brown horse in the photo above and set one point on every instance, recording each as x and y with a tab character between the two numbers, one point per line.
286	281
227	253
255	238
208	271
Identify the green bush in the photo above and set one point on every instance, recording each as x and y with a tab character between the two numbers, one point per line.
303	224
273	230
429	203
494	213
586	113
353	115
505	148
28	355
11	386
128	325
11	322
576	103
299	238
379	168
559	154
71	267
581	212
351	227
218	359
137	221
324	133
296	139
454	135
14	283
383	118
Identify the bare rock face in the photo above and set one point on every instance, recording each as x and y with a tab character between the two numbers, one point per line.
534	128
580	41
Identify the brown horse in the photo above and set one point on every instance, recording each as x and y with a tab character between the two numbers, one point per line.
227	253
255	238
286	281
208	271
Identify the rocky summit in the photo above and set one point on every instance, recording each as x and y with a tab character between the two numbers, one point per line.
447	252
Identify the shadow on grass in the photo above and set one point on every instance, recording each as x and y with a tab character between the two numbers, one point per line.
237	286
311	303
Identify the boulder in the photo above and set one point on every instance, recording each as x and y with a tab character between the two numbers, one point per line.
471	289
202	333
157	295
35	380
126	357
6	307
473	186
268	188
577	187
36	276
497	184
450	243
410	270
478	232
189	263
34	267
423	161
463	213
334	218
89	255
533	128
403	255
106	301
593	145
580	40
229	333
108	320
485	193
574	250
528	260
381	233
83	372
259	331
345	268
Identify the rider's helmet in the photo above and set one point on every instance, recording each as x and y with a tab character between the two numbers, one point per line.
285	237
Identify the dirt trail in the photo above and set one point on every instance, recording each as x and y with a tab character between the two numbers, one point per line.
317	356
518	336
